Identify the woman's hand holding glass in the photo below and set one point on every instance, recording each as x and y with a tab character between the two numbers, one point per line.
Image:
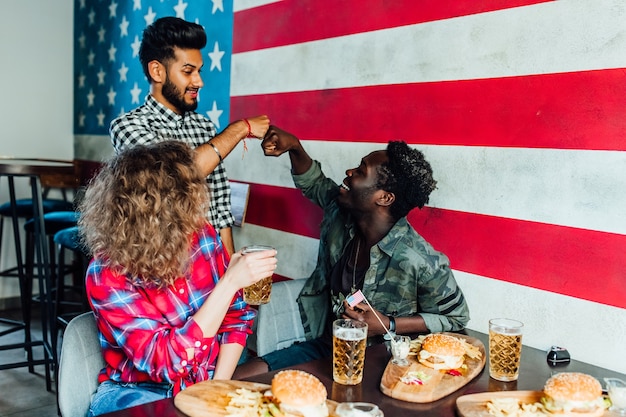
245	270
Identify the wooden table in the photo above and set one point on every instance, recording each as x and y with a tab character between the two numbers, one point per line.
35	170
533	374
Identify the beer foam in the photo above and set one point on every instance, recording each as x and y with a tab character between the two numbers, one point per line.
350	334
506	330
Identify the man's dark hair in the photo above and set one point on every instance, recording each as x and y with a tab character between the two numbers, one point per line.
408	176
165	34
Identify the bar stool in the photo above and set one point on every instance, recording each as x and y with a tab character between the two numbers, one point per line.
65	309
24	209
53	222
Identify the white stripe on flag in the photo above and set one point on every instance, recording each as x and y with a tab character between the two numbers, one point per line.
506	45
563	187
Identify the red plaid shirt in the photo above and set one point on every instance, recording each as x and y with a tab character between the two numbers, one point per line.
145	332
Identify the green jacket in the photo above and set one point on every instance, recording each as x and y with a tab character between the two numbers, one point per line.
406	275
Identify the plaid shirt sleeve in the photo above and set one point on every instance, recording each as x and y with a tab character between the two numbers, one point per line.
220	214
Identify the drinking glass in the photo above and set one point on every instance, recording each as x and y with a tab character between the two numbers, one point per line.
505	348
260	291
358	409
617	393
349	342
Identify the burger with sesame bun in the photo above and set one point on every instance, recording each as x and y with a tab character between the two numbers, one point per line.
299	394
573	394
441	351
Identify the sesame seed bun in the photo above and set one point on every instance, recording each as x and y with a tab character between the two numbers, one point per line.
441	351
443	344
297	390
573	394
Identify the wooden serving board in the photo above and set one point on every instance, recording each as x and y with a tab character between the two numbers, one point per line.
440	383
475	405
210	398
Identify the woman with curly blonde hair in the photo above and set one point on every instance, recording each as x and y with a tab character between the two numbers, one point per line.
166	296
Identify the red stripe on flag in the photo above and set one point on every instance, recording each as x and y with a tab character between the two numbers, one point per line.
279	278
294	21
576	262
283	209
580	263
578	110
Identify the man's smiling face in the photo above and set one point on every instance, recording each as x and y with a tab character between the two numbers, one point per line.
183	80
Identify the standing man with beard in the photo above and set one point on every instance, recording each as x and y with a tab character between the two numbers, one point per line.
171	59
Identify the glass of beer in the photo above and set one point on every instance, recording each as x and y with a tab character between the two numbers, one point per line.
349	342
505	349
260	291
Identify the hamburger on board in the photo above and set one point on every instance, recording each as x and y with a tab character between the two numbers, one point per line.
441	351
573	394
299	394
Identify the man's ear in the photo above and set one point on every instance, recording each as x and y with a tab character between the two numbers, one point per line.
156	71
386	198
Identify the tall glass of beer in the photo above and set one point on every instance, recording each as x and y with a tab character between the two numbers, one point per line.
505	348
260	291
349	342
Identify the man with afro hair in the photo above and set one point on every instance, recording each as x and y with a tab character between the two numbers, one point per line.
366	243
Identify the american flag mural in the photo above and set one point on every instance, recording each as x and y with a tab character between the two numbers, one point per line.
519	105
108	78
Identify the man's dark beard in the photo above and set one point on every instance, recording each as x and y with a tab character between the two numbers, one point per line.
175	97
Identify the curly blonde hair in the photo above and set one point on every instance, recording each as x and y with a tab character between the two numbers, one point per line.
140	210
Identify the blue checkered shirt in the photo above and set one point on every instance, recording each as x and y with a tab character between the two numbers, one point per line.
153	122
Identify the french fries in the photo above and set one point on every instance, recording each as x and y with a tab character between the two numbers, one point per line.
246	403
471	351
416	345
512	407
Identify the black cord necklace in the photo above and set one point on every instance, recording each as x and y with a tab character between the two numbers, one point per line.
356	260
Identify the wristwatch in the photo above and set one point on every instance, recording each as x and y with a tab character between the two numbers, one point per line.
392	328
